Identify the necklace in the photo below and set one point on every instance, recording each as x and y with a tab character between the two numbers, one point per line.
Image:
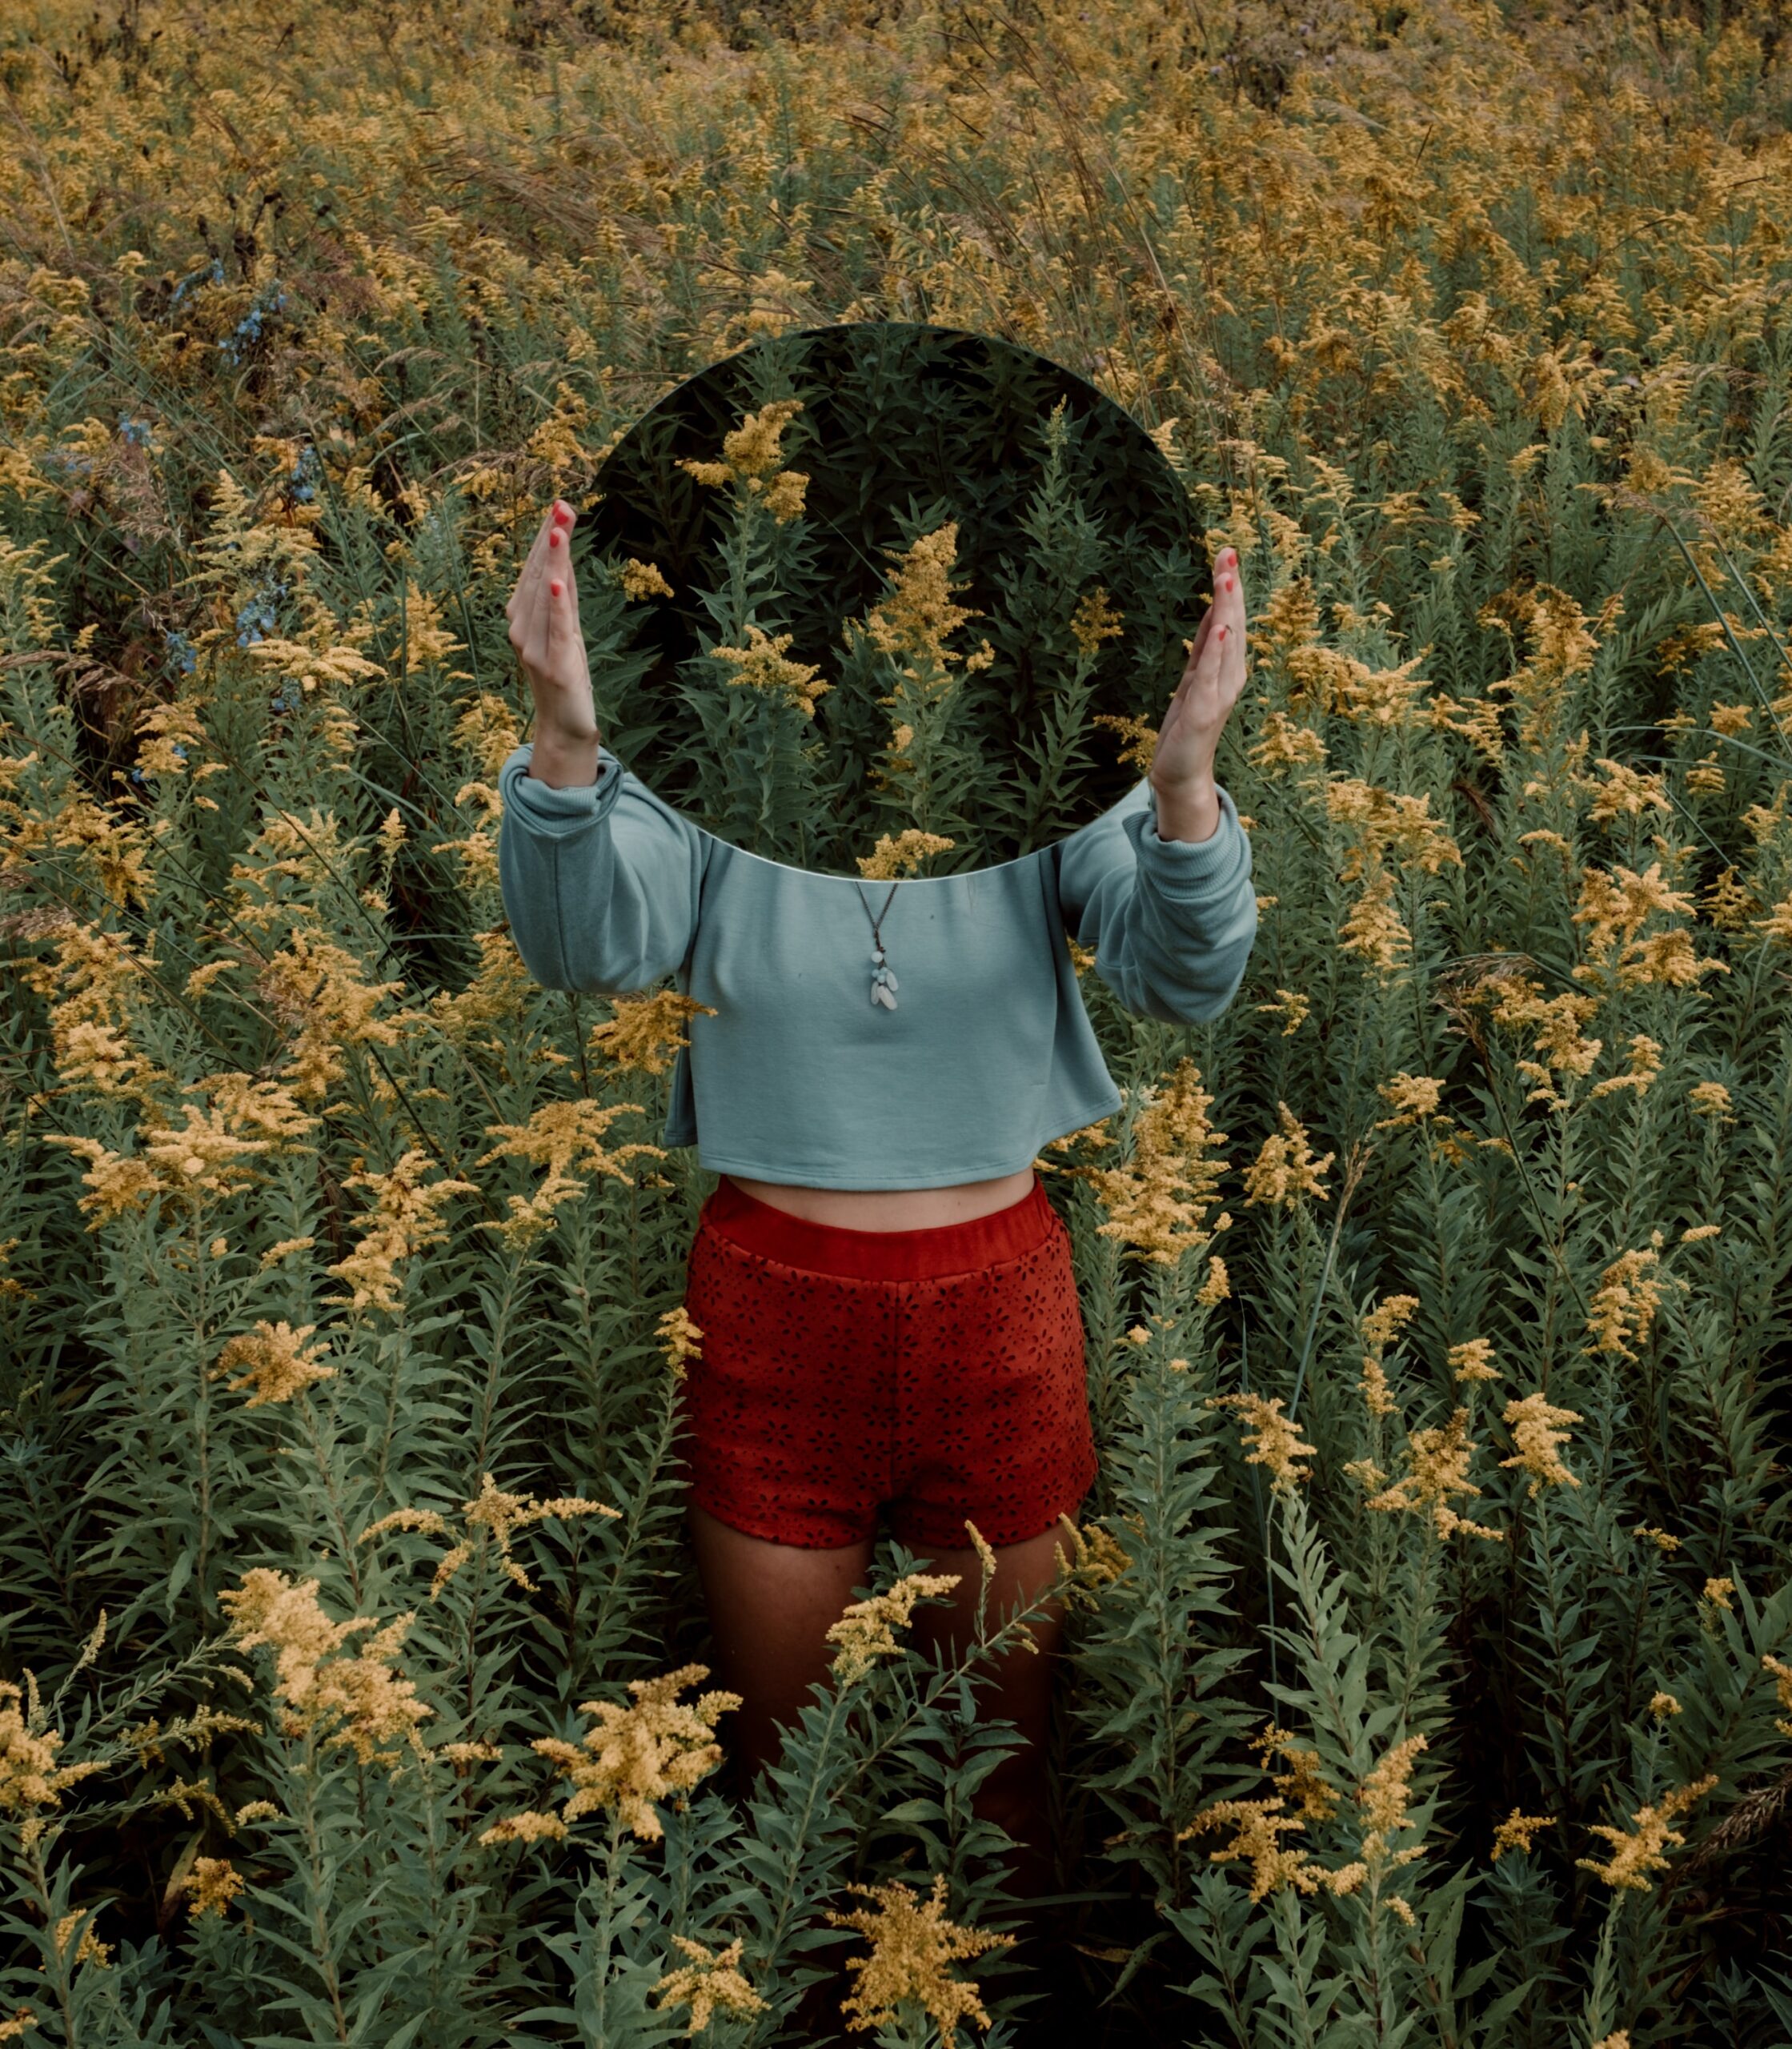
883	982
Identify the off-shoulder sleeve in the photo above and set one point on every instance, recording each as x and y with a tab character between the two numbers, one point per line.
600	881
1171	922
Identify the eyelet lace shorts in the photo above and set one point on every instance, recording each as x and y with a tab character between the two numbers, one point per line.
936	1374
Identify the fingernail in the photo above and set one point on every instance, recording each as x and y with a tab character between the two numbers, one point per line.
1228	582
1220	635
562	510
557	587
554	538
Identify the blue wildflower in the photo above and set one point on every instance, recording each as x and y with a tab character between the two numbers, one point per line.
182	650
212	273
302	484
135	431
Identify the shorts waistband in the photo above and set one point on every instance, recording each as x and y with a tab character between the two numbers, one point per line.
836	1249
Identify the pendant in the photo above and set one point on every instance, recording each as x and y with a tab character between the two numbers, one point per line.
884	984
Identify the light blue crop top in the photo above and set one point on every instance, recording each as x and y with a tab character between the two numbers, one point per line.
799	1078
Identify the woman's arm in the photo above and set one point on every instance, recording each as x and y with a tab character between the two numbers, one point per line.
600	879
1162	892
1171	922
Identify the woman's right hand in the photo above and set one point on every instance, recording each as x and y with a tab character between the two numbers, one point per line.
544	630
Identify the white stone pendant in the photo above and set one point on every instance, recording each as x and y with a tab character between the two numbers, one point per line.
883	982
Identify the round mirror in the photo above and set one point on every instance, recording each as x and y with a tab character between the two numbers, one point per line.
886	598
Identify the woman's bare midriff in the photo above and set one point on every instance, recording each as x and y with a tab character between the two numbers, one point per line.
892	1208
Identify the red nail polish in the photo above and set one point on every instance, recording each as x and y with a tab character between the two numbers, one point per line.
556	587
554	538
1220	635
1228	582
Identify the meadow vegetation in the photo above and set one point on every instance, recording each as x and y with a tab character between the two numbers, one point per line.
1430	1667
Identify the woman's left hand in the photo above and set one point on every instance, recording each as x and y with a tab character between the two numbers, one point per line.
1182	779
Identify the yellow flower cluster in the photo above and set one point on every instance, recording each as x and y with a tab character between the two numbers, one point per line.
1626	1301
356	1700
643	1034
902	854
1158	1202
1271	1438
866	1630
1286	1168
1640	1849
1438	1460
566	1137
918	615
912	1946
655	1750
708	1983
764	665
751	455
276	1361
1536	1427
494	1511
404	1220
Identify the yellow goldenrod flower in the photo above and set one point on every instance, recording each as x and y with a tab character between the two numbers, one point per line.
354	1699
89	1949
658	1747
1515	1832
1300	1781
903	854
528	1826
30	1776
1471	1359
912	1944
680	1339
1536	1429
1286	1168
404	1220
642	579
764	665
709	1982
1640	1849
1282	743
211	1886
1257	1827
1140	739
276	1360
1095	621
866	1631
1271	1438
1626	1301
644	1032
1159	1201
1662	1705
1291	1004
1783	1681
1413	1098
1438	1469
1710	1099
1717	1592
1216	1287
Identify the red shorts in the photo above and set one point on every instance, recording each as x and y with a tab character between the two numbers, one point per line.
937	1373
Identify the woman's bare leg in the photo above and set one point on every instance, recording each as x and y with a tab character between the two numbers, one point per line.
770	1608
1014	1793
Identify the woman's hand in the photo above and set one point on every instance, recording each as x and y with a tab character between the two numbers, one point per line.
1182	779
544	630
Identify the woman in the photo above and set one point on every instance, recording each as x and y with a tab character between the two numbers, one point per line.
889	1317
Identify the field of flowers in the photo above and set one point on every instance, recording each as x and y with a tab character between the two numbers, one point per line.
1430	1679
